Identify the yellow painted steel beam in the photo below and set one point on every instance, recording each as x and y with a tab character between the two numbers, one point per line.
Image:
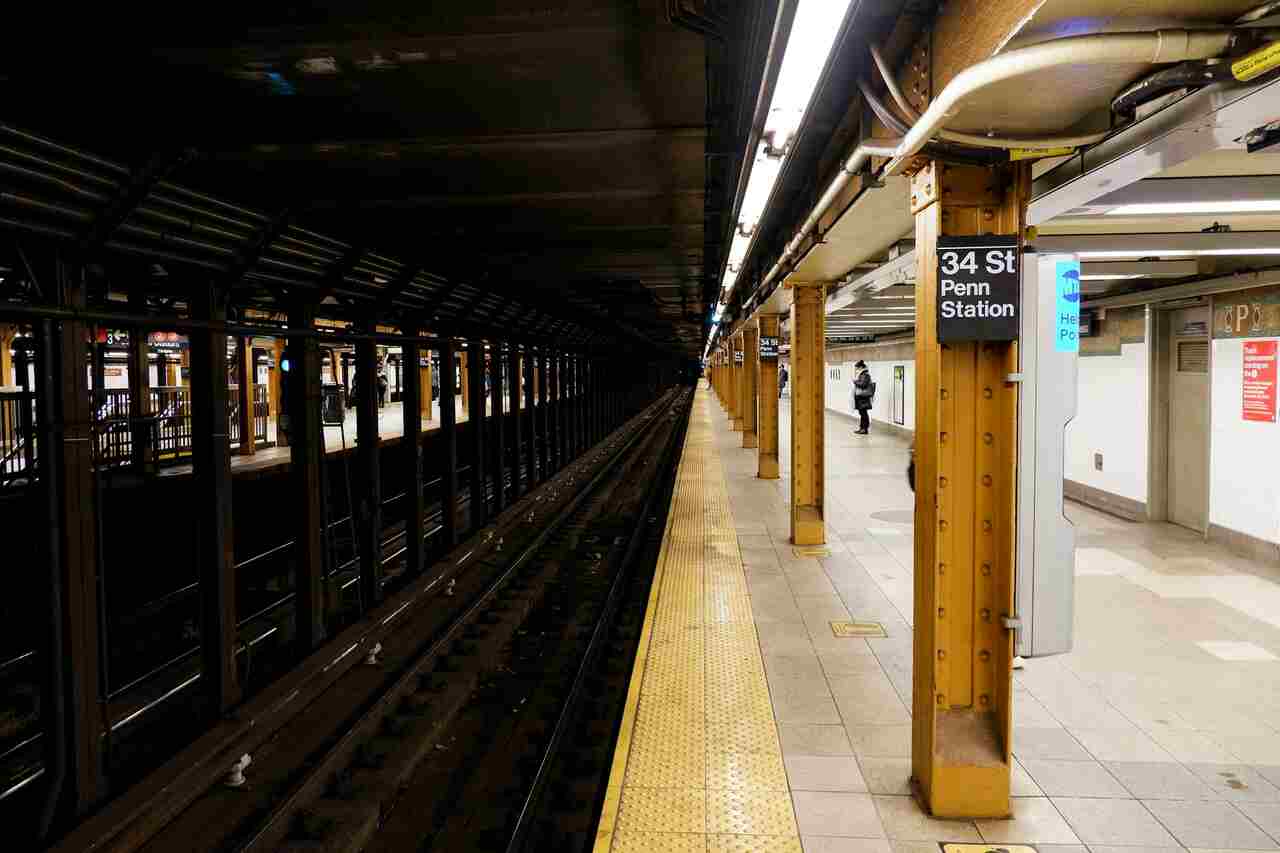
750	366
966	458
767	408
808	409
735	383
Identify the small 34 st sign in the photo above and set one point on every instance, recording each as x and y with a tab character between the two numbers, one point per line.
738	356
978	288
768	347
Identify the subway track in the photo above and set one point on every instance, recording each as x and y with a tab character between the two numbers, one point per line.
529	636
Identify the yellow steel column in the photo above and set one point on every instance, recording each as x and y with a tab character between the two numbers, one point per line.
767	410
424	383
808	404
6	361
750	364
735	382
462	368
966	458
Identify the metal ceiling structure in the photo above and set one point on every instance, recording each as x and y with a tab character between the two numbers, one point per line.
533	168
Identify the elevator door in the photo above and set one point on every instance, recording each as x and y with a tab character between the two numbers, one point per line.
1189	428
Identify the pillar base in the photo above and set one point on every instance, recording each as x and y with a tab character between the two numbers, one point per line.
768	468
807	527
736	425
749	439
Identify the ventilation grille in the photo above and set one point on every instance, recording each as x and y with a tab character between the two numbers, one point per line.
1193	356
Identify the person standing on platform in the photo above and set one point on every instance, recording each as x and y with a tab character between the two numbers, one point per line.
382	390
864	393
782	380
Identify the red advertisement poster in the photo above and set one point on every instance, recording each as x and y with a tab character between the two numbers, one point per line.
1259	402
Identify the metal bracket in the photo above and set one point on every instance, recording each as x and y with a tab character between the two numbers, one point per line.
1013	378
1011	623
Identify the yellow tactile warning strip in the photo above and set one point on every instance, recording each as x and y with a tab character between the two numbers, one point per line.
698	766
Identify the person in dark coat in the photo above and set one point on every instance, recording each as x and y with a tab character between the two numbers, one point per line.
782	379
864	393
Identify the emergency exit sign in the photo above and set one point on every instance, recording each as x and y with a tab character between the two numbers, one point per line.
978	288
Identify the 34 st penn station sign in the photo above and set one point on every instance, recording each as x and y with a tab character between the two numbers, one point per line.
978	288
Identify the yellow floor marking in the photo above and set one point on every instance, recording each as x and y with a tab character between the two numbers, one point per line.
698	765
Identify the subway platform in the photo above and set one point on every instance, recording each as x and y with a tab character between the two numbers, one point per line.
752	726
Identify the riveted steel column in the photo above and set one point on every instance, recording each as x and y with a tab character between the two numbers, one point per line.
808	404
518	487
368	445
211	501
767	428
448	445
554	431
244	353
73	461
479	509
544	414
411	395
465	384
139	386
301	392
531	420
735	383
966	465
750	369
499	450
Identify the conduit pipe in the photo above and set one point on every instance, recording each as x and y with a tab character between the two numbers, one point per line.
1160	46
973	139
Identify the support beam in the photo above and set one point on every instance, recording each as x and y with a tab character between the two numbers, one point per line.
544	412
767	428
516	420
499	449
735	383
139	387
448	447
966	462
411	393
369	486
479	508
6	361
300	419
211	502
750	368
531	420
555	429
808	412
70	473
244	354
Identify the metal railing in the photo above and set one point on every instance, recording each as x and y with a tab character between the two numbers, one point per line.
17	436
168	425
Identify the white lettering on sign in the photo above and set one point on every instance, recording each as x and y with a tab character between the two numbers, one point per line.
978	288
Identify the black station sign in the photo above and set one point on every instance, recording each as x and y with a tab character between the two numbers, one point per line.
738	357
978	288
768	348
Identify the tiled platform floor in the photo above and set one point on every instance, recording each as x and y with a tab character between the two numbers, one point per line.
698	765
1160	731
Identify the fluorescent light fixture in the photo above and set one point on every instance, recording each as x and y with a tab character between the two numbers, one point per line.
1178	208
1111	276
813	31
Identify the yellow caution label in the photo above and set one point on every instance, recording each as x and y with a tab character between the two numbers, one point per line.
1039	153
858	629
1257	63
987	848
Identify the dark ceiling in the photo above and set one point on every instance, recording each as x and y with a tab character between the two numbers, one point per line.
578	155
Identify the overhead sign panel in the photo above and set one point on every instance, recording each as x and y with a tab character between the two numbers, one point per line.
978	289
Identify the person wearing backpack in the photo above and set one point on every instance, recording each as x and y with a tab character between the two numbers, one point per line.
864	393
